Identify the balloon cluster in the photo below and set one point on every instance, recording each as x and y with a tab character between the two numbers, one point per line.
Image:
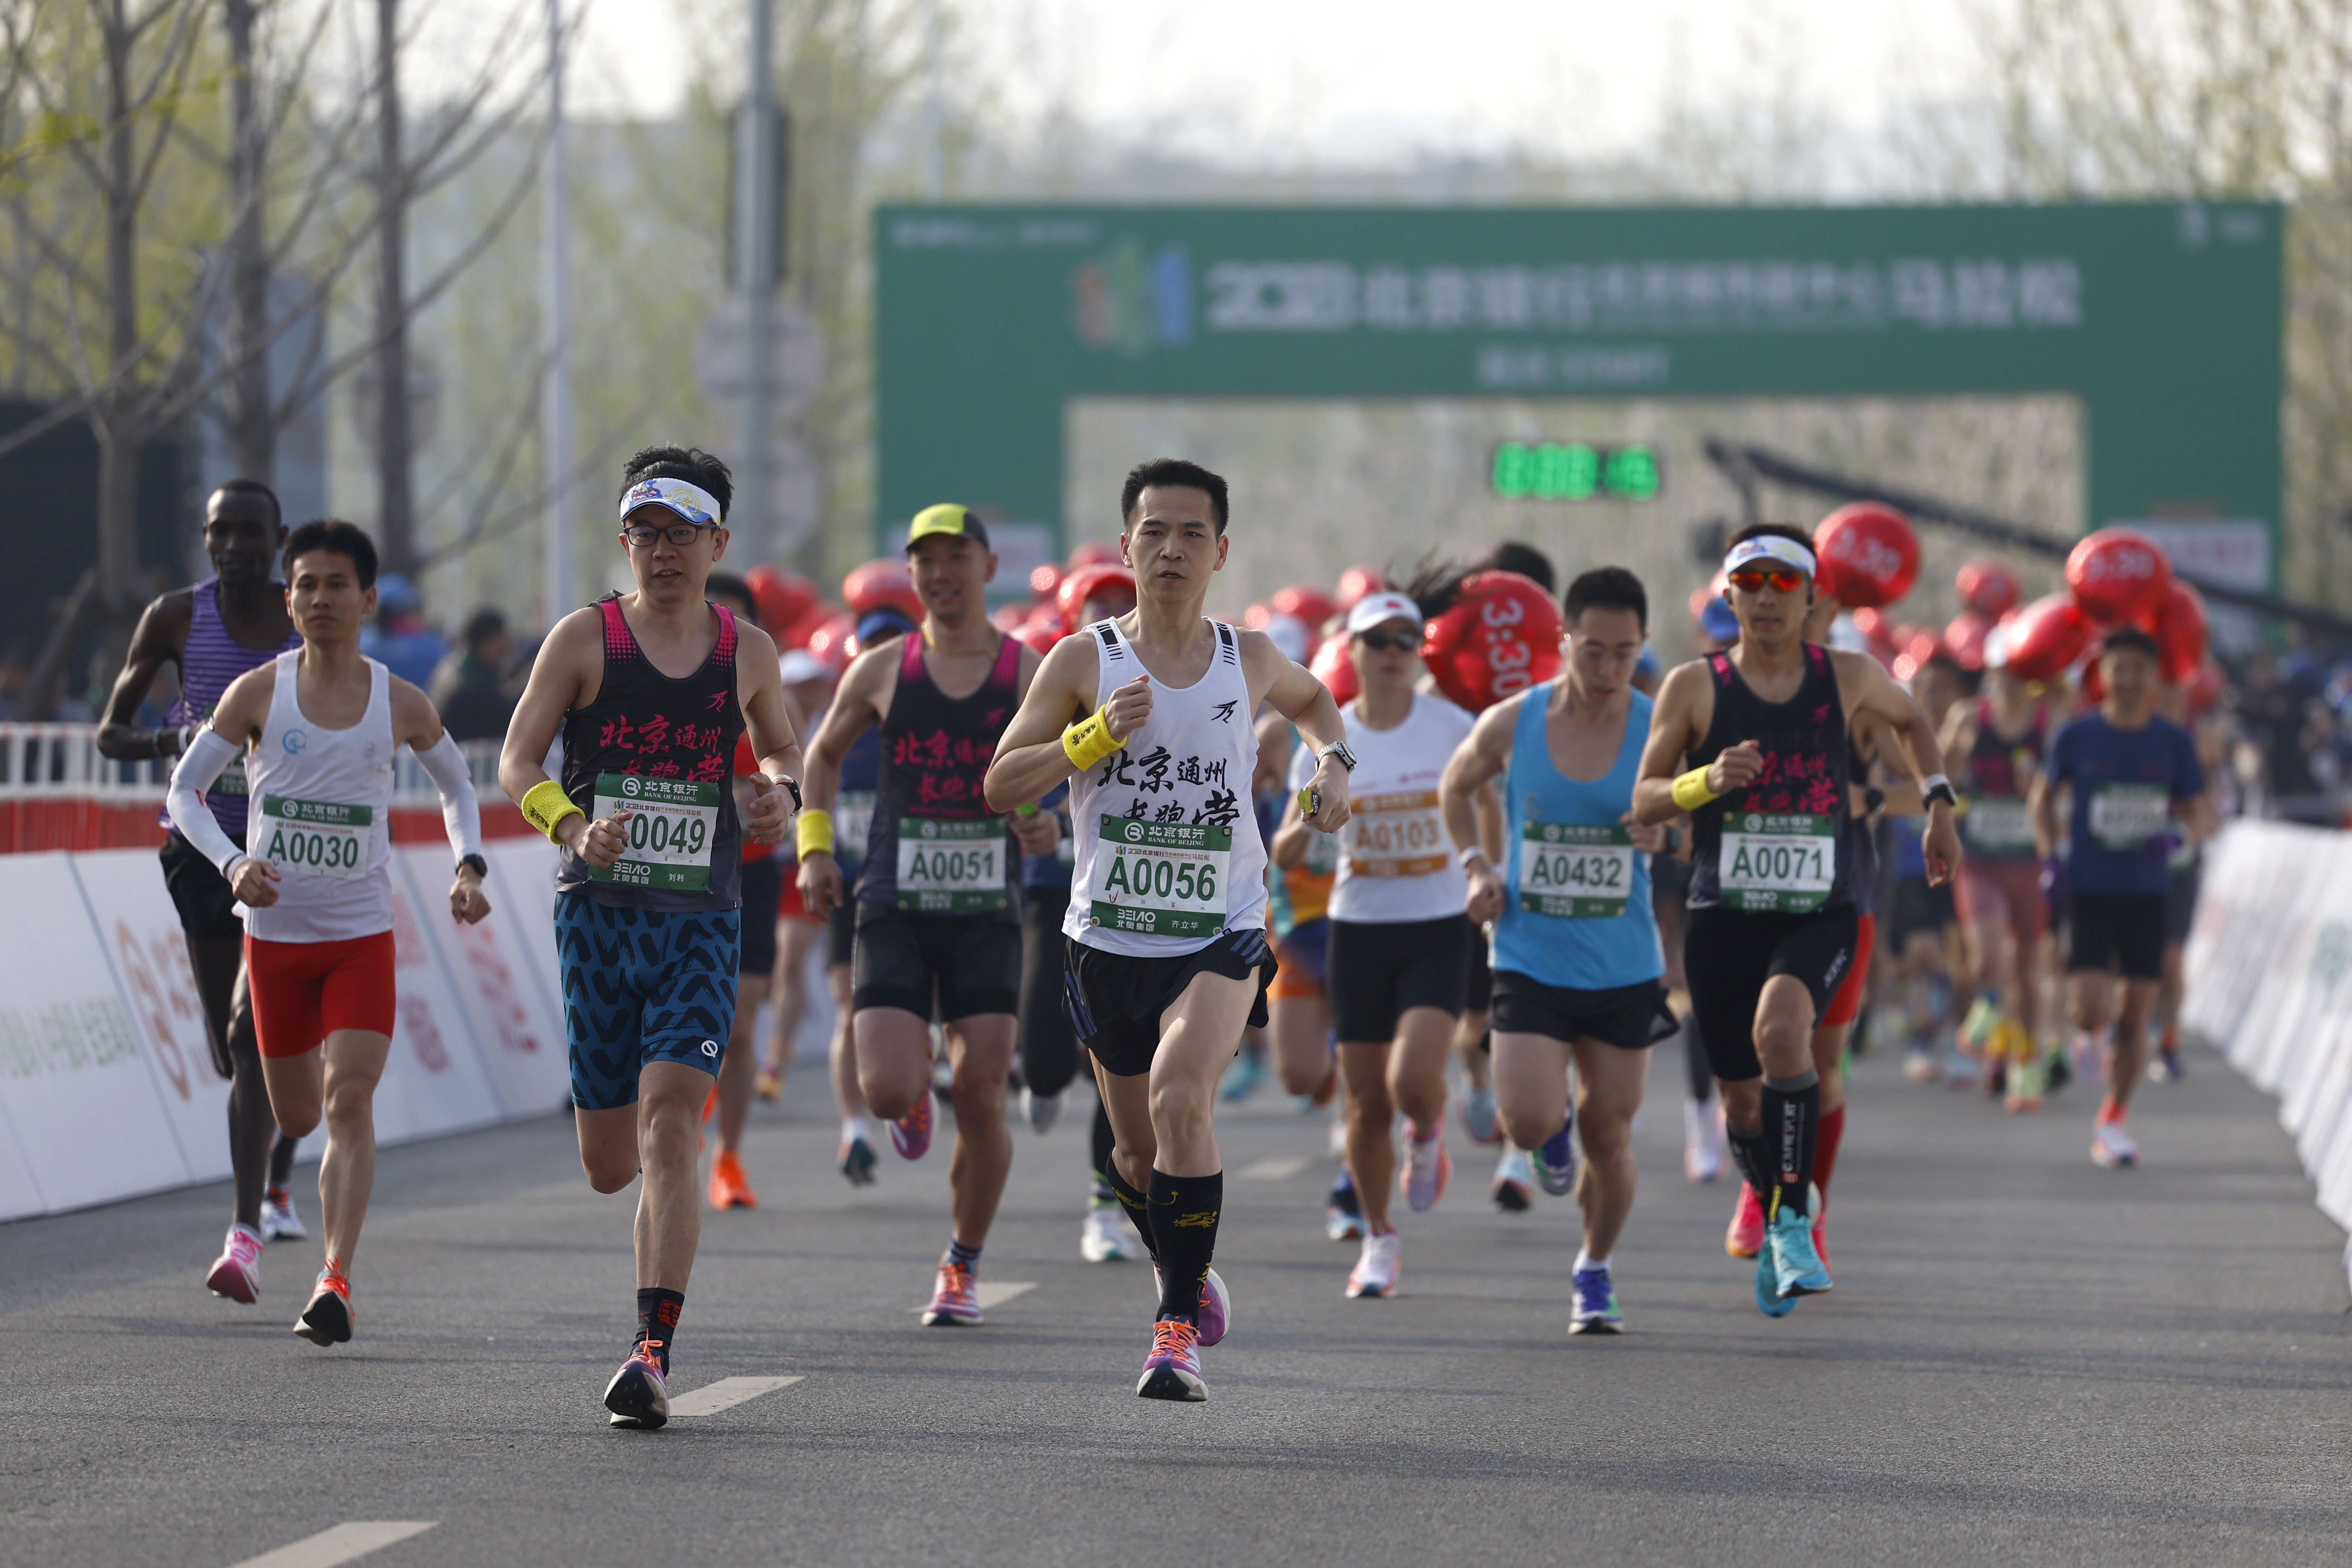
2115	577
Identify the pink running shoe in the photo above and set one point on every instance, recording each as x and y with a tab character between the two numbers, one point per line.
236	1273
911	1134
1427	1168
1215	1312
955	1301
1173	1370
1746	1236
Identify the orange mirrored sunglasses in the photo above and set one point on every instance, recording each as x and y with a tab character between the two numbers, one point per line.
1752	579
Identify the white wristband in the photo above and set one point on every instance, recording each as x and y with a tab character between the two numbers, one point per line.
1472	853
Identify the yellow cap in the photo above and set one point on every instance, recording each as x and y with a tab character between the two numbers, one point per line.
949	519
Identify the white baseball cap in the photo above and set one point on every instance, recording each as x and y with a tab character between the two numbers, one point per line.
1373	609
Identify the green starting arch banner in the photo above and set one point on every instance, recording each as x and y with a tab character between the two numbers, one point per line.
2163	319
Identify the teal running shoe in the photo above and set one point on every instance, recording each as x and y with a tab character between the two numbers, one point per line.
1796	1264
1768	1287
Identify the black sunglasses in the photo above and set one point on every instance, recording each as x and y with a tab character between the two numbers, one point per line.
1392	642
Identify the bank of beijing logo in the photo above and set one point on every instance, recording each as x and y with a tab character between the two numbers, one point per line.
630	787
930	829
1754	822
1128	300
1135	833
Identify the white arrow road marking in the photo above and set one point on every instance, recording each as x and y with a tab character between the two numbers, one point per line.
1273	1170
351	1539
725	1395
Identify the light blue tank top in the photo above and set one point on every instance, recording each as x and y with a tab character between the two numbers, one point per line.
1576	914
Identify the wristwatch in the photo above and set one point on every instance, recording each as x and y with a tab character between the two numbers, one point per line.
1940	790
1338	751
474	863
791	783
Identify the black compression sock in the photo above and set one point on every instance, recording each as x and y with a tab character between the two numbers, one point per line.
281	1160
658	1311
1138	1211
1184	1220
1752	1152
1103	1137
1792	1122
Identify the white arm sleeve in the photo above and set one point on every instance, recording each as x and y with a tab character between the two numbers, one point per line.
460	812
200	764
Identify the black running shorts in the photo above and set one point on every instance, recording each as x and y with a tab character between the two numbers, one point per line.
2120	932
1728	954
1630	1017
1478	981
1377	969
943	966
763	889
1116	999
207	908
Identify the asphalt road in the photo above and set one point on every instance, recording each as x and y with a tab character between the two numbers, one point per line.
2027	1359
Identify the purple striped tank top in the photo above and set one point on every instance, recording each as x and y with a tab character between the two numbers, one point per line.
211	661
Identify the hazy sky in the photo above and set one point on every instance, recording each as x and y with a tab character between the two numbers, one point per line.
1351	78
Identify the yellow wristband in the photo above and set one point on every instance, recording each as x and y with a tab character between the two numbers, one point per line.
815	832
1691	791
1089	741
544	804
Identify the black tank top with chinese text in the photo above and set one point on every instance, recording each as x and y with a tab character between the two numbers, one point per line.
1778	844
934	846
662	750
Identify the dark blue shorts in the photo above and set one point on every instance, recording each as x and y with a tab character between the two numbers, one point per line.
643	985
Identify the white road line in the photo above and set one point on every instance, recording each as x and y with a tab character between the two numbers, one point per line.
725	1395
1273	1170
351	1539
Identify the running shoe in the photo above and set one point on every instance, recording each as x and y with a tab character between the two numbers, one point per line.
1375	1273
1768	1287
1555	1162
1216	1306
1103	1236
1242	1077
857	1162
728	1190
237	1273
638	1396
2163	1067
1478	1116
2057	1070
1427	1167
1173	1370
1746	1236
1919	1063
1514	1182
1043	1109
911	1134
769	1085
1795	1263
955	1304
1343	1217
1596	1304
1704	1155
2113	1147
278	1220
327	1320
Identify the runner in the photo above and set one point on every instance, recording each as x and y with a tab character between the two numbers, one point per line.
1998	742
1772	927
1151	713
649	690
214	632
1399	956
319	727
2135	790
1577	960
939	925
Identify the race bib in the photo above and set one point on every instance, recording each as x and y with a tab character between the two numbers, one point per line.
853	822
316	837
1574	871
673	826
950	867
2125	816
1167	879
1777	861
1400	834
1999	824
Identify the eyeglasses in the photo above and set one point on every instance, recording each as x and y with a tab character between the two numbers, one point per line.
1752	581
643	535
1392	642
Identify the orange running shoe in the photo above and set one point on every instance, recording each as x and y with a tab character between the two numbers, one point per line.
1746	1236
769	1085
955	1304
728	1190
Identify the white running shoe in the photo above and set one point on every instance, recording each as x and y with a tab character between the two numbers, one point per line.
1703	1154
1043	1109
278	1220
1514	1182
237	1273
1103	1236
1375	1274
2111	1146
1426	1168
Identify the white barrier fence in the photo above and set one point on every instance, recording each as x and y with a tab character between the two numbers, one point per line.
107	1089
2268	971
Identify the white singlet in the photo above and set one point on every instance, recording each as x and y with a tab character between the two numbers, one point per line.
321	815
1167	853
1396	862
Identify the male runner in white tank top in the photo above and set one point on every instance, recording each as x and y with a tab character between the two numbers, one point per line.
323	723
1150	715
